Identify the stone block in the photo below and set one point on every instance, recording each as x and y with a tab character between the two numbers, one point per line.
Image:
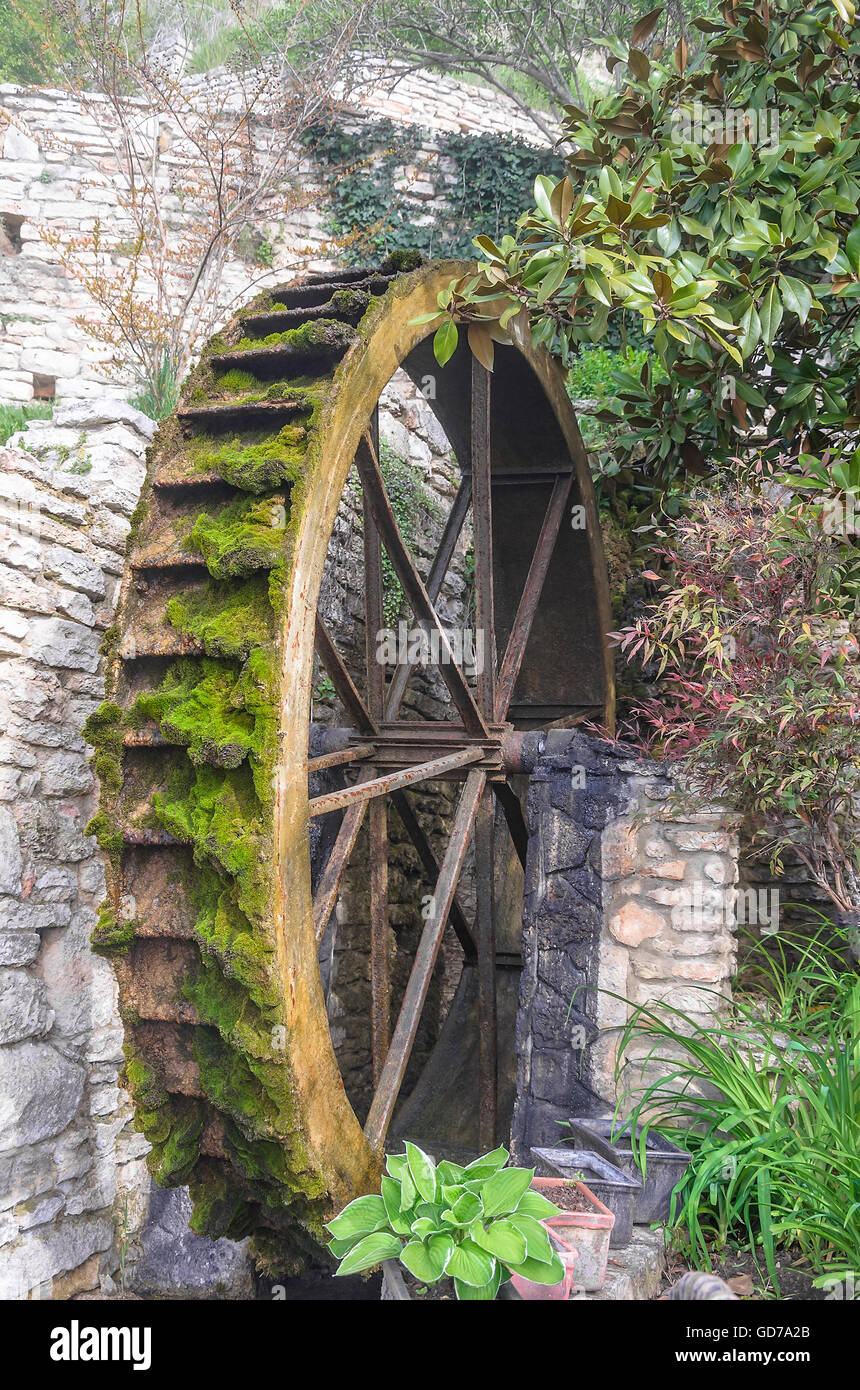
66	645
24	1011
619	855
632	924
40	1092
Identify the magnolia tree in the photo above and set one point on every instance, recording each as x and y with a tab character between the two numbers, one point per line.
718	205
194	165
760	683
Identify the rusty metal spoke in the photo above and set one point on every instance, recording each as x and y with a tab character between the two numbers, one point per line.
486	933
482	522
332	875
403	1038
426	854
380	959
438	570
342	680
367	463
519	636
382	786
340	756
512	807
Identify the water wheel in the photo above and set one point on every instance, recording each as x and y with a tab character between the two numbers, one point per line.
209	795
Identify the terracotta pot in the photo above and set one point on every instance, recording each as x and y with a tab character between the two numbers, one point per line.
587	1231
559	1292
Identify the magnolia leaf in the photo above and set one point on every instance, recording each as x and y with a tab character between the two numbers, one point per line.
481	344
445	342
644	27
770	315
369	1252
543	194
638	63
852	247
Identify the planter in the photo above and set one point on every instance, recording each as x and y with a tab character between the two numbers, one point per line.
588	1230
616	1190
665	1163
551	1293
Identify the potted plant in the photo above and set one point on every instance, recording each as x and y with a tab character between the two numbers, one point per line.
616	1188
584	1223
462	1228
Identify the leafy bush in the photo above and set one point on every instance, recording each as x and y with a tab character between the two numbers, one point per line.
476	1224
769	1107
739	251
760	692
32	43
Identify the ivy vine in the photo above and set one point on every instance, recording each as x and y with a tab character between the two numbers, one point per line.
481	183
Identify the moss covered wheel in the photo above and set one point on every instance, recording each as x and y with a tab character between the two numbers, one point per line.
202	745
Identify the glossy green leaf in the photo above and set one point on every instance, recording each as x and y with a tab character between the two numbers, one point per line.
445	342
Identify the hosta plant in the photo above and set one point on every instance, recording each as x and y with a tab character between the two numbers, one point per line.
476	1225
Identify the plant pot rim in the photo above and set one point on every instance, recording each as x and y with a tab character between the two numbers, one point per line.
600	1218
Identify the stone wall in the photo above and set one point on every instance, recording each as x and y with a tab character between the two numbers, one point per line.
58	169
628	901
73	1184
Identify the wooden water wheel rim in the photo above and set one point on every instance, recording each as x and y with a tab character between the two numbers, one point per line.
304	1110
346	431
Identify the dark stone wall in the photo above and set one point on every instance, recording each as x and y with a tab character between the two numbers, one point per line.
578	785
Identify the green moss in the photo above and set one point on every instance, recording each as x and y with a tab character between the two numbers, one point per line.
107	833
198	706
256	464
110	641
226	1076
225	935
173	1125
110	937
316	333
220	1208
402	261
243	536
229	619
238	383
103	729
217	812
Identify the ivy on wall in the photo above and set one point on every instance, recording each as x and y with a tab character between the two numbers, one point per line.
481	184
